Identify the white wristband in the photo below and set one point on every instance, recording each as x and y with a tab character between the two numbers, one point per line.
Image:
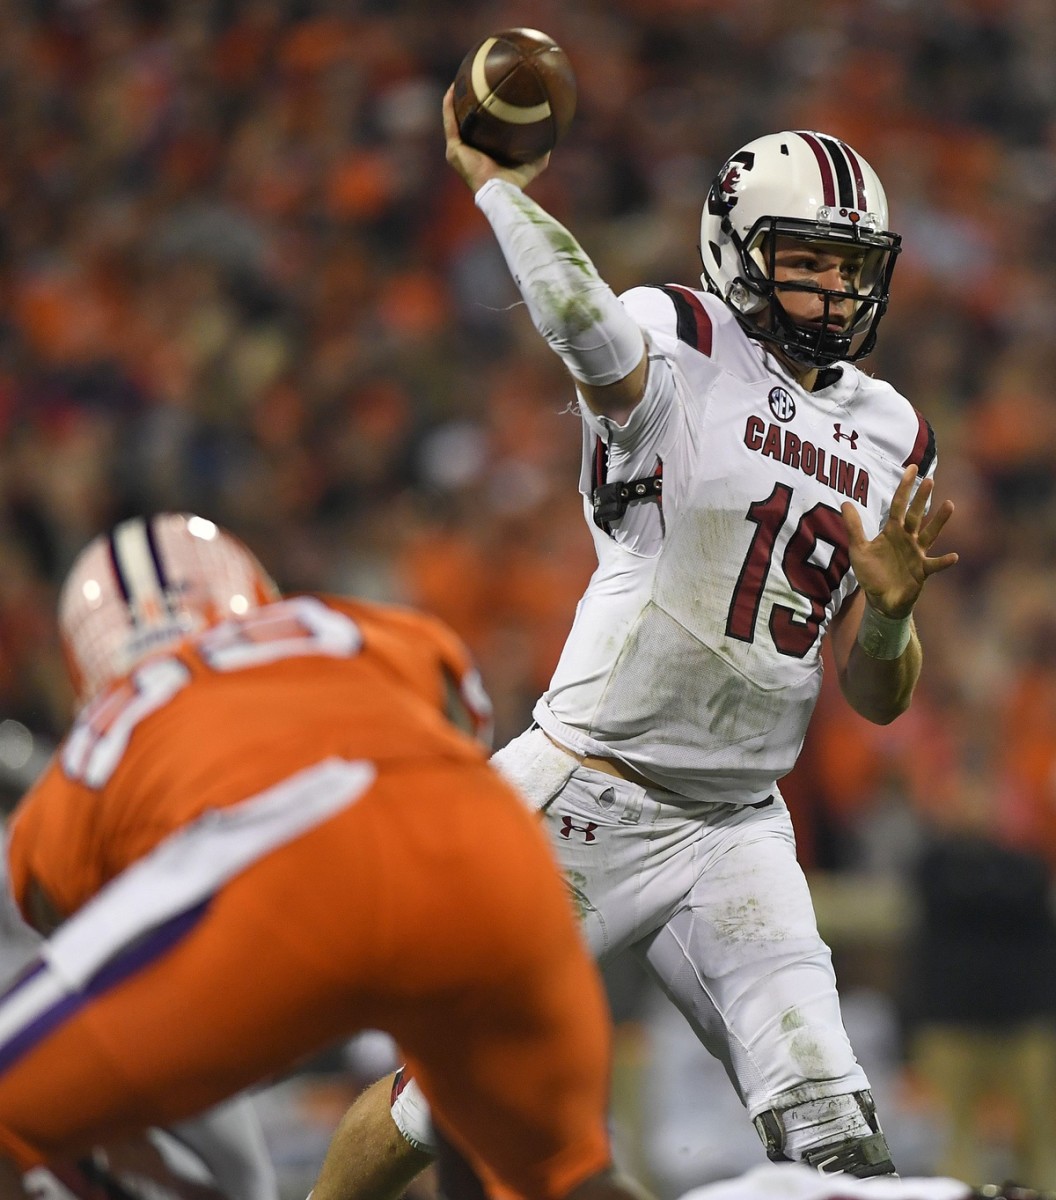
569	303
883	637
413	1118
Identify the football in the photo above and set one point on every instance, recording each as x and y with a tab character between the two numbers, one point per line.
515	95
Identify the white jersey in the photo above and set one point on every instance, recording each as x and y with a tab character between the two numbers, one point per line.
695	655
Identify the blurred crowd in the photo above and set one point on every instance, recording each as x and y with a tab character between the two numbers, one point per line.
237	277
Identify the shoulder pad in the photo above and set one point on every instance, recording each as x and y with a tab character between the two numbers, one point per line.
675	310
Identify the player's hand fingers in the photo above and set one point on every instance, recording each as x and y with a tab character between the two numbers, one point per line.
918	505
855	531
450	124
932	566
934	524
900	500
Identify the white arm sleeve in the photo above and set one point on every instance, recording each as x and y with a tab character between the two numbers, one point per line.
569	303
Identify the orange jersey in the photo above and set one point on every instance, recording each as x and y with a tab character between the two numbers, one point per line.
225	715
269	839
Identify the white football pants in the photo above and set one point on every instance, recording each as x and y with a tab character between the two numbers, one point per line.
712	900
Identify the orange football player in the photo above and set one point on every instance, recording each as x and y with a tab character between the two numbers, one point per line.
265	831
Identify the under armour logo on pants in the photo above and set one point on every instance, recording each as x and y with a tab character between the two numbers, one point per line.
568	826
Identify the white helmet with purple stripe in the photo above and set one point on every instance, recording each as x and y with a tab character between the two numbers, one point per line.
147	584
809	186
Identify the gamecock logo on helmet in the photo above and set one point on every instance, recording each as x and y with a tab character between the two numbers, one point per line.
723	194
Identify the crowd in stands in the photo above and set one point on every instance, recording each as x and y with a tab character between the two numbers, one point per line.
238	278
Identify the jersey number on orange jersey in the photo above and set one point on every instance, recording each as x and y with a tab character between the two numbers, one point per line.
290	628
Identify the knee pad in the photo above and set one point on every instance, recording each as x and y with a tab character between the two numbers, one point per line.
838	1135
411	1114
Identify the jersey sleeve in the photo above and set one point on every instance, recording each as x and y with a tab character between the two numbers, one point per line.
909	440
466	700
924	453
430	657
653	311
650	451
53	840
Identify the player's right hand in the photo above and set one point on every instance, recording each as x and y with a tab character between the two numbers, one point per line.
475	167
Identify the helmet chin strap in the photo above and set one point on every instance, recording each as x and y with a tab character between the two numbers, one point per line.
800	345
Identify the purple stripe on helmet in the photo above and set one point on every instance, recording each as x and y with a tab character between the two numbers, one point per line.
155	555
119	574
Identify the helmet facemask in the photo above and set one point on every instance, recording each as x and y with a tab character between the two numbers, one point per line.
755	294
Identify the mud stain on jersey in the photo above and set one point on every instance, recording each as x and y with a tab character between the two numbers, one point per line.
803	1046
743	921
575	881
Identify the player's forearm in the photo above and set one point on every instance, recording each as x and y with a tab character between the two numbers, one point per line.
569	303
880	689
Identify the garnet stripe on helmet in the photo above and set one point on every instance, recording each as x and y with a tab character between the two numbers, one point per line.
693	323
843	171
859	177
824	166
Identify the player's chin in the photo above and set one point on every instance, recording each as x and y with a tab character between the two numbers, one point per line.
819	326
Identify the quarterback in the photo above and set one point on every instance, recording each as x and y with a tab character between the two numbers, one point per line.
260	806
750	492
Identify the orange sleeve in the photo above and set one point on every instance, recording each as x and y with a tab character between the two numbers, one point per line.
53	840
427	653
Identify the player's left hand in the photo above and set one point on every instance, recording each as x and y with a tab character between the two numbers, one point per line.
893	567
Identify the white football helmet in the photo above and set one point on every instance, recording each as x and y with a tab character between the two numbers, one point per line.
148	583
809	186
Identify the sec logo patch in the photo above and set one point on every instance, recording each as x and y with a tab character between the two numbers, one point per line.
781	404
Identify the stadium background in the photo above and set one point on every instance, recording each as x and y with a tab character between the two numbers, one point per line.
238	278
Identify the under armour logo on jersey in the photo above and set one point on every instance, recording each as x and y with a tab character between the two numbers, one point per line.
568	827
839	435
781	404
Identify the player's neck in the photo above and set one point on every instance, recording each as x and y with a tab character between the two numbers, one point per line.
805	374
